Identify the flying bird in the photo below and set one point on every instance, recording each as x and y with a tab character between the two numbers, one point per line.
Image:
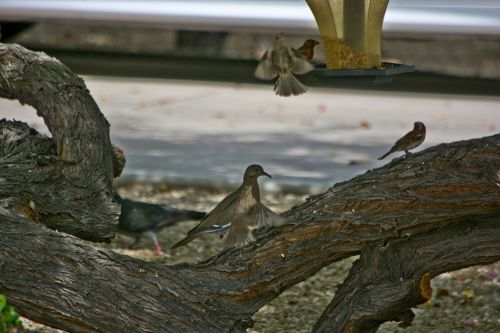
236	213
138	219
306	51
411	140
282	62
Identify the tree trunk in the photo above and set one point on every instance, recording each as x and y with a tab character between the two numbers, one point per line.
419	202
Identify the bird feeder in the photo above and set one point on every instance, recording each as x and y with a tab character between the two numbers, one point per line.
351	31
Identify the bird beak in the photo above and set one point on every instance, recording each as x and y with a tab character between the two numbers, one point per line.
266	174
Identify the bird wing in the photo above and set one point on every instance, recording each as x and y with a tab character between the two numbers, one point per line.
300	52
410	140
407	139
265	55
219	216
137	217
261	216
297	52
132	222
218	220
299	65
239	233
265	69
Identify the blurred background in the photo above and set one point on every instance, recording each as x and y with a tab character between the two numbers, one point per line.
175	80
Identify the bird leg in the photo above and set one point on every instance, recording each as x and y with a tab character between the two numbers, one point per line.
152	235
222	234
135	243
157	249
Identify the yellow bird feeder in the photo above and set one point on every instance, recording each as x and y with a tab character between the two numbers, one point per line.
351	31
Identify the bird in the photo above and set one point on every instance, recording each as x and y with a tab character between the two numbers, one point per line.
139	219
236	213
282	62
410	140
306	51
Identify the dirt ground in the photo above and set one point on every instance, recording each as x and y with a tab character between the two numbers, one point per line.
463	301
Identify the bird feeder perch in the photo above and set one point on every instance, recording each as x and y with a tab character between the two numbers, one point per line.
351	31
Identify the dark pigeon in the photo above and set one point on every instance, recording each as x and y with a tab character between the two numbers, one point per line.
139	219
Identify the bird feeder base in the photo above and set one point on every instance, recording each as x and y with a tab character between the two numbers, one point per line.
376	75
387	69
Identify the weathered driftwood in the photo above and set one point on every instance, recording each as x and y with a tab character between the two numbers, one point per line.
422	200
65	182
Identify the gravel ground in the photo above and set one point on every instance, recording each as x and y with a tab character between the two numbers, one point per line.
463	301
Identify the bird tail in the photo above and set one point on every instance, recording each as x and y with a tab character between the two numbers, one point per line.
386	154
194	215
184	241
196	232
287	85
181	215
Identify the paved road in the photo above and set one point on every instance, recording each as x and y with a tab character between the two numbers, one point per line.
199	132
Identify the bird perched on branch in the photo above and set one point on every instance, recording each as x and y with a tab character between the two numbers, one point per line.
237	212
306	51
139	219
281	61
411	140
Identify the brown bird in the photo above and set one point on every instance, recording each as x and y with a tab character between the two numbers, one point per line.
281	61
237	212
411	140
306	51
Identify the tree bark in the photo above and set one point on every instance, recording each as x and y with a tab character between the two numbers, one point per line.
388	280
73	285
63	182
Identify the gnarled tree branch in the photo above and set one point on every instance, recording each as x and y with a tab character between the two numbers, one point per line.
63	182
388	280
220	295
